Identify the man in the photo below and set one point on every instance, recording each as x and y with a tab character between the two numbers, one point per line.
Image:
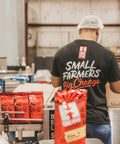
84	63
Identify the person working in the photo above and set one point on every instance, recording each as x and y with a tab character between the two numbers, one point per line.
84	63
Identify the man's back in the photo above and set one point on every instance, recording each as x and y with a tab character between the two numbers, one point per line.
86	64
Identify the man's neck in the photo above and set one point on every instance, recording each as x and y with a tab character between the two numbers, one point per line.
88	36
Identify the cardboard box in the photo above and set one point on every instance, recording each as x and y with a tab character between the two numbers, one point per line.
113	99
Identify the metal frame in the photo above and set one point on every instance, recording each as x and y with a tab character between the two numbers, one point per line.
6	127
26	29
18	127
65	24
23	127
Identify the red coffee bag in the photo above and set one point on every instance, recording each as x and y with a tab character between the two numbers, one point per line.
7	104
36	106
22	105
70	117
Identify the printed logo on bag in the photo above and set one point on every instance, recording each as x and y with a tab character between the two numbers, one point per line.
82	52
69	114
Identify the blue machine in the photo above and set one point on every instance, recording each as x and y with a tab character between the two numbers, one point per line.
28	78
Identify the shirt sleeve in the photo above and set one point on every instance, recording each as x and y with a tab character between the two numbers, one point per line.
113	70
55	67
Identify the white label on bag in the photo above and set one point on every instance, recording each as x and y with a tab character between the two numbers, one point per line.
69	114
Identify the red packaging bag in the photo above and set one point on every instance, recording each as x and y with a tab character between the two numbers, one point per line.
7	104
22	105
70	117
36	106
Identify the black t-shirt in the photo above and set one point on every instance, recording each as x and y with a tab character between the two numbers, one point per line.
86	64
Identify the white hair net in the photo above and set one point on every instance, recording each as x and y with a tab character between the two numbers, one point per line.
93	22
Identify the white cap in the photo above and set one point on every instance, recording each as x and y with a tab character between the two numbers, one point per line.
91	21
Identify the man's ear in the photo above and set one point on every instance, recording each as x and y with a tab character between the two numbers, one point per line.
97	31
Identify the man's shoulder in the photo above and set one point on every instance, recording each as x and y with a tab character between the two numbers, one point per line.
104	49
68	46
65	48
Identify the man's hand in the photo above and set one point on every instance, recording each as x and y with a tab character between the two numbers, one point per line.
56	81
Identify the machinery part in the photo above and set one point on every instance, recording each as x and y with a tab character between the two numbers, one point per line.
20	133
15	112
0	113
23	142
48	124
6	123
16	119
40	135
27	127
20	119
3	88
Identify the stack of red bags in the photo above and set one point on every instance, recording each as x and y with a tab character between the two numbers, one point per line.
30	103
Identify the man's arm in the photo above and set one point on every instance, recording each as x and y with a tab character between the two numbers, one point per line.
115	86
56	81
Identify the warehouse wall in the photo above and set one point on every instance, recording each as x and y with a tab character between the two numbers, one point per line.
71	11
12	30
47	39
